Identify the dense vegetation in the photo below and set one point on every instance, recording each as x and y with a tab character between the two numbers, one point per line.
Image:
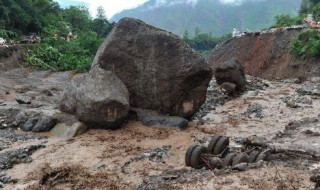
307	44
203	42
211	16
52	23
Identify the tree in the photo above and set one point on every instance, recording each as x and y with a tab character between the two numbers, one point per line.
101	13
79	18
284	20
101	25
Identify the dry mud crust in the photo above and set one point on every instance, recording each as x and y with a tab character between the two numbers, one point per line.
73	177
266	178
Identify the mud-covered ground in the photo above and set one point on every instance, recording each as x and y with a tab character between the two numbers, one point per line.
283	113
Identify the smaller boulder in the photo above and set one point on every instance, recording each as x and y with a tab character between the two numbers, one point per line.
99	99
153	118
232	72
44	124
64	131
229	88
23	99
31	122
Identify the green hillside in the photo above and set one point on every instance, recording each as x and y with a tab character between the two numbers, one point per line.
211	16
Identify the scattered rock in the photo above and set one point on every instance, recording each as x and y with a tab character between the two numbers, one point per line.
155	155
309	89
311	133
99	166
22	155
292	104
64	131
23	99
255	109
99	99
229	88
29	125
231	71
161	71
44	124
214	98
165	121
316	179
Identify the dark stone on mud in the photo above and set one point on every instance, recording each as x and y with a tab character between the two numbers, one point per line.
229	88
153	118
316	179
44	124
10	158
255	108
309	89
231	71
21	118
29	125
160	70
12	135
99	99
165	121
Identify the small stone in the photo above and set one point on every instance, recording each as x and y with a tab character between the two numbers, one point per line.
291	104
99	166
21	99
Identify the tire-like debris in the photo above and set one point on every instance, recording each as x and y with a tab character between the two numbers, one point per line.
262	156
228	160
240	158
214	140
253	156
221	145
189	154
195	161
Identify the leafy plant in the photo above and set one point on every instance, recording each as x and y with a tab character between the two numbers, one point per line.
307	45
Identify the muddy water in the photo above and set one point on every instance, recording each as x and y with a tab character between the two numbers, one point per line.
126	152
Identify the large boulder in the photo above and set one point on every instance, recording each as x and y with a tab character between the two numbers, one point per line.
231	71
99	99
161	71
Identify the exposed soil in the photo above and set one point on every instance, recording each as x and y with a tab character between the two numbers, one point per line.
266	55
283	113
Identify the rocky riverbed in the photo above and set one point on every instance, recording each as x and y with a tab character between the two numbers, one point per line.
284	113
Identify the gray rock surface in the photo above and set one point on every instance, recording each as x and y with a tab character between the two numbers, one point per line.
161	71
99	99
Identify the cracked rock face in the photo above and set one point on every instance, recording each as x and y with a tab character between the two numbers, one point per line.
161	71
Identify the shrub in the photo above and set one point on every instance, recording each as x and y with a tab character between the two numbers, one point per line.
59	55
307	44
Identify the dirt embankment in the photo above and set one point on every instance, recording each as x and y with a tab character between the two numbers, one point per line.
14	55
266	55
